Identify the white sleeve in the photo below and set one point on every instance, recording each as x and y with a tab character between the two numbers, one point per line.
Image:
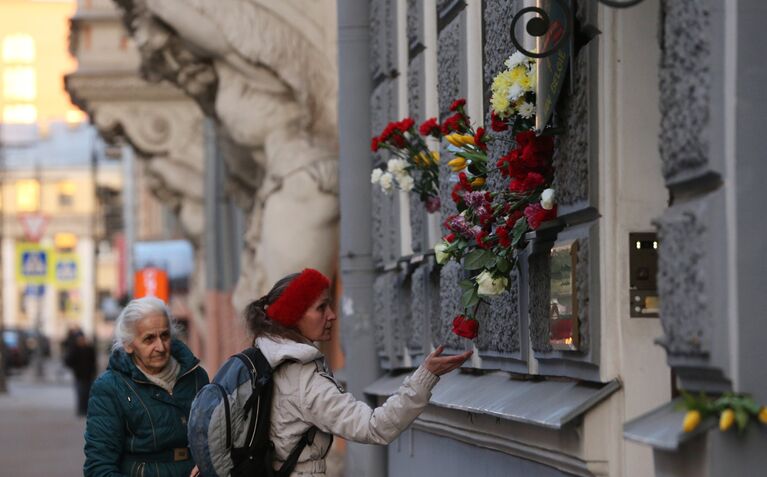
339	413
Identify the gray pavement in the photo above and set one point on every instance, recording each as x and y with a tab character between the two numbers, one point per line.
40	435
39	432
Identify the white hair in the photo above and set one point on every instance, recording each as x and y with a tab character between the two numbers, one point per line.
135	311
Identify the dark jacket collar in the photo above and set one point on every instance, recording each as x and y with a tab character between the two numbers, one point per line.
121	362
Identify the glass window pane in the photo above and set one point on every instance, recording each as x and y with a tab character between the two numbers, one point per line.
19	113
27	195
18	48
19	83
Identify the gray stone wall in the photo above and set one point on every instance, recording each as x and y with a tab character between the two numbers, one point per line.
431	292
692	258
685	83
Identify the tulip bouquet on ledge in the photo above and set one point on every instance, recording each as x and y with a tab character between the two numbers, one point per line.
732	409
414	166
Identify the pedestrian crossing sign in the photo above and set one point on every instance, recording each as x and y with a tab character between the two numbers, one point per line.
65	270
32	264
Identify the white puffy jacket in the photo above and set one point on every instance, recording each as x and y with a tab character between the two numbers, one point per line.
306	394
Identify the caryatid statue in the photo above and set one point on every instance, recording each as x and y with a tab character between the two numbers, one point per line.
267	71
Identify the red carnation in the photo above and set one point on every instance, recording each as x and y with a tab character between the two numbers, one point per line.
536	152
374	144
450	238
463	179
456	195
458	103
430	127
503	236
405	125
387	132
510	165
455	123
513	218
532	181
480	139
536	214
398	140
497	124
465	327
480	240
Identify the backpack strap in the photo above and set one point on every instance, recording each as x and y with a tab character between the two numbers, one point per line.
292	460
227	414
260	401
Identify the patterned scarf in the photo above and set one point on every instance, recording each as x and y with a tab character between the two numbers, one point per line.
166	378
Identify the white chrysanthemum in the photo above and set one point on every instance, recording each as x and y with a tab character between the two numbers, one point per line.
396	166
406	182
547	199
375	176
386	181
516	59
515	91
526	110
489	286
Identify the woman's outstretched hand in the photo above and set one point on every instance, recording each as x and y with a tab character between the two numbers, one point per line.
440	365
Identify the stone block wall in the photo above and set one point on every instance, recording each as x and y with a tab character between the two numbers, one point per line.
436	46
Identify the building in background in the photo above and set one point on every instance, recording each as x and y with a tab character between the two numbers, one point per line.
33	58
53	227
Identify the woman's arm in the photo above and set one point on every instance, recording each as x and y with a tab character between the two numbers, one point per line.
341	414
104	432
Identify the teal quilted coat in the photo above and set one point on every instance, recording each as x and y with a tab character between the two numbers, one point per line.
134	426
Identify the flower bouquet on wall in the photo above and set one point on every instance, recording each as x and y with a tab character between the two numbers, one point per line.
414	166
487	231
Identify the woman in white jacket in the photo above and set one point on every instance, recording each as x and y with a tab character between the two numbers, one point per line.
285	323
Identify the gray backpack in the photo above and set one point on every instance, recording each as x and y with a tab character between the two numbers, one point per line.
228	426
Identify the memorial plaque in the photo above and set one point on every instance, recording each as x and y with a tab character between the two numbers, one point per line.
563	307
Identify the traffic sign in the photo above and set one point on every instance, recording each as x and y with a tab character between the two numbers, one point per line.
65	270
34	225
32	264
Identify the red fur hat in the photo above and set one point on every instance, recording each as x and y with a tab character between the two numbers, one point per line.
297	297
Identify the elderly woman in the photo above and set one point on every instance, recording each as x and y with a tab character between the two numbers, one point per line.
138	409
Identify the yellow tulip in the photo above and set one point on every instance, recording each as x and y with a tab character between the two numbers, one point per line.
454	139
421	159
763	415
457	164
435	157
691	421
467	139
478	182
726	419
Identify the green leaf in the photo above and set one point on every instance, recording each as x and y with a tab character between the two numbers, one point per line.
503	265
751	406
477	259
519	230
741	418
475	156
469	297
467	284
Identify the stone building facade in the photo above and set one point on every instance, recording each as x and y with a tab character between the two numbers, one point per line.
648	142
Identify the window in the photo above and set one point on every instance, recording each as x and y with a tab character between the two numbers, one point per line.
18	48
27	195
19	83
66	194
19	114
